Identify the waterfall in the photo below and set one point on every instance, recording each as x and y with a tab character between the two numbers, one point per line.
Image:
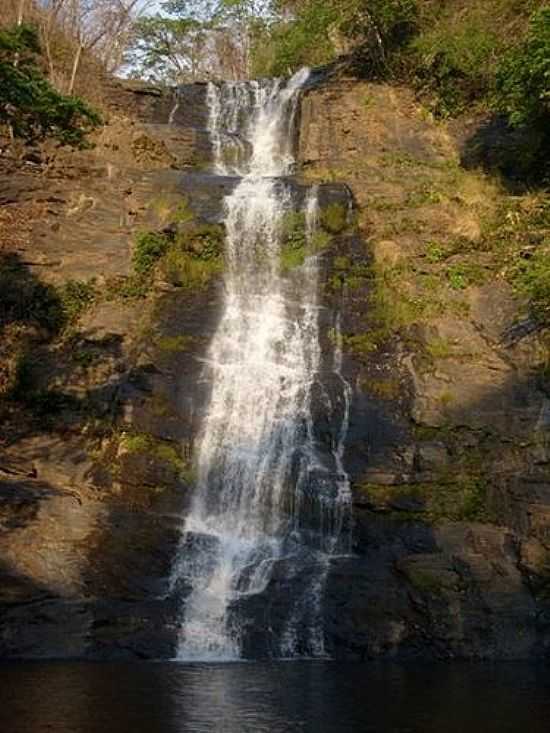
257	454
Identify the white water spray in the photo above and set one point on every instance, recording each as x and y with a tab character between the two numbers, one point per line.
257	449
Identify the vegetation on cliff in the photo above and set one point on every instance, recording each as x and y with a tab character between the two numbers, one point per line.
452	51
29	105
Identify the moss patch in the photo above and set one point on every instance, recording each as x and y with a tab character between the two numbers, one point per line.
174	344
334	218
148	445
296	248
452	498
384	389
391	309
348	274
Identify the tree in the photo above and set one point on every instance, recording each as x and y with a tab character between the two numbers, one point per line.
169	50
75	28
197	39
313	32
523	79
29	104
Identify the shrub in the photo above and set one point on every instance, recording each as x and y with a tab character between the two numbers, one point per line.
523	78
202	241
334	218
29	104
150	247
318	30
435	252
76	296
455	64
532	278
186	271
285	46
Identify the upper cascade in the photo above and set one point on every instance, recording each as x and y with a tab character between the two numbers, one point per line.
251	126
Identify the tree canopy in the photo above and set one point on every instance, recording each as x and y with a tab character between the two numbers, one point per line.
29	105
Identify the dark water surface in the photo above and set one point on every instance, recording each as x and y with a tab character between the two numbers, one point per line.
289	697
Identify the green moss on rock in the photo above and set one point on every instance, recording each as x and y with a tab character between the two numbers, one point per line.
296	247
451	498
147	445
334	218
174	344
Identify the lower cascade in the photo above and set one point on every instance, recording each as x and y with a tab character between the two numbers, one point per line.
268	502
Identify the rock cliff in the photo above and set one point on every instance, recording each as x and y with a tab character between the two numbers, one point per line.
448	449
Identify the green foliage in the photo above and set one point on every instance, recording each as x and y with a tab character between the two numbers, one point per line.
295	245
455	55
164	48
134	287
136	443
457	497
146	444
76	296
395	303
457	278
293	234
532	278
383	389
188	271
464	274
294	228
523	77
188	259
29	104
310	33
195	256
202	241
435	253
150	247
334	218
168	211
455	64
348	274
285	46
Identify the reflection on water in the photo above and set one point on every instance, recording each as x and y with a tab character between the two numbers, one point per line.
273	698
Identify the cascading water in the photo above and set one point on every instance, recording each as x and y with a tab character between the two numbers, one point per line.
257	451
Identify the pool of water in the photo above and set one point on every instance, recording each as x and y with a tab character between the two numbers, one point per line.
313	697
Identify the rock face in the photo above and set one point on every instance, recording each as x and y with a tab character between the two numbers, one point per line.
448	448
448	442
97	437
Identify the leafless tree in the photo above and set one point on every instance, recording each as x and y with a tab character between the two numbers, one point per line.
96	27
